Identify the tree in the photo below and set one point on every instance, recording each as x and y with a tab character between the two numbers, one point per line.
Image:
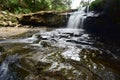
59	4
34	5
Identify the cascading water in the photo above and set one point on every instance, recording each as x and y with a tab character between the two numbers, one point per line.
8	72
76	19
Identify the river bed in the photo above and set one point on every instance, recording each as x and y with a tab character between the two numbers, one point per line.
59	54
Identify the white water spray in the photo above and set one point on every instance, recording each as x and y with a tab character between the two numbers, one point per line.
77	18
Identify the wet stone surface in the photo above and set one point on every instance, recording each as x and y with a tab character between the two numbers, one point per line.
60	54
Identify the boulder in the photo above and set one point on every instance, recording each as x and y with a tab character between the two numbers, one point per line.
43	18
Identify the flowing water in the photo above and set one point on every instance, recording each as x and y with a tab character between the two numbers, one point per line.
68	54
60	54
76	19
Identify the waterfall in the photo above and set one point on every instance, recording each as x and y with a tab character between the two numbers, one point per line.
77	18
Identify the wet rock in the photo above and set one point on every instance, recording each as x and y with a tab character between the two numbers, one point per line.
45	44
51	65
102	57
2	49
102	25
37	36
50	61
47	18
91	53
40	66
47	76
109	61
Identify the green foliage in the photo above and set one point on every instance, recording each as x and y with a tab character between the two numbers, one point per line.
60	4
97	5
26	6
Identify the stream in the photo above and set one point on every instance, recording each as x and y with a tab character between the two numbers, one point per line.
59	54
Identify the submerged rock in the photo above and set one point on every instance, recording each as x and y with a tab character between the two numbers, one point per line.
47	18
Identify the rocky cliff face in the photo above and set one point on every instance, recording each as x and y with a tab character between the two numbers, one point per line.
102	24
43	18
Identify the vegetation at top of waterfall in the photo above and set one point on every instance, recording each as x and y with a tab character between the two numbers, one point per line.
26	6
97	5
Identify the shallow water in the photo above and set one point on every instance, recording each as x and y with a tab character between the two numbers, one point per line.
68	54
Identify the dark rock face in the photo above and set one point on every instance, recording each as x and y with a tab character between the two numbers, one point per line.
103	28
101	24
43	18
